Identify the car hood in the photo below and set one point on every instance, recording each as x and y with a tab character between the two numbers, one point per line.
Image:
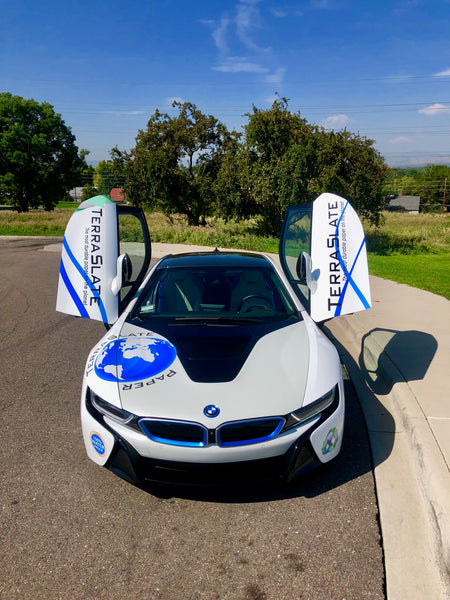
151	380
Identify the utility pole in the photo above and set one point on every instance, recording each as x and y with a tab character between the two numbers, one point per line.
443	198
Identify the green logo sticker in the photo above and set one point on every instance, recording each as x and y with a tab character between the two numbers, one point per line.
330	441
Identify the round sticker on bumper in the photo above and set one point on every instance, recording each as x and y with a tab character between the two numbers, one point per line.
97	443
330	441
134	359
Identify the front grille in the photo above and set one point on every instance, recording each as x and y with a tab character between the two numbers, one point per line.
239	433
236	433
176	433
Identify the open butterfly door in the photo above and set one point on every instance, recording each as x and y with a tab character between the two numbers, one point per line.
105	256
323	254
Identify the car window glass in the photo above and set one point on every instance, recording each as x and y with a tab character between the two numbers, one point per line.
296	239
133	243
213	291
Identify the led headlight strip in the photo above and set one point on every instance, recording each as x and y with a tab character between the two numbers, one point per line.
306	413
109	410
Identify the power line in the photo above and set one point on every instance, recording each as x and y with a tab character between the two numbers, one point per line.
131	110
235	82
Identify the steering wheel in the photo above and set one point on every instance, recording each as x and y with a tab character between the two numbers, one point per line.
251	303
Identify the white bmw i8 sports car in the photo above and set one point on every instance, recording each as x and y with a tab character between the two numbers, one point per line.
214	370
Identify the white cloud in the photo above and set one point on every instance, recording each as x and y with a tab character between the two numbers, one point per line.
435	109
125	113
445	73
399	140
247	19
276	77
219	35
336	122
239	49
240	65
322	4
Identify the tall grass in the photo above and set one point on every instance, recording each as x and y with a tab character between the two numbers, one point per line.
399	234
172	229
412	249
409	234
243	235
35	222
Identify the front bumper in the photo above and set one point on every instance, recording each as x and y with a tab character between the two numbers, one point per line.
136	458
128	464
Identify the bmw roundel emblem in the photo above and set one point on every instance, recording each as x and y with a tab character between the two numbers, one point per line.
211	411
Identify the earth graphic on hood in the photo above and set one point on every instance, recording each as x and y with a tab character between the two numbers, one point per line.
134	359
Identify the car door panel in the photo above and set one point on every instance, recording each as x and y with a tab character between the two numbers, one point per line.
323	254
89	283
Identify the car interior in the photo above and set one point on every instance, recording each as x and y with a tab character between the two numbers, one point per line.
215	291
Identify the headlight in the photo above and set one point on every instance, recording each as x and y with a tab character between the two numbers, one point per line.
109	410
311	411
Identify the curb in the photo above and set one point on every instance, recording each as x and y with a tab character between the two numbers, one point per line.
411	475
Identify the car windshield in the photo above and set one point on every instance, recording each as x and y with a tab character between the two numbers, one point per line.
214	293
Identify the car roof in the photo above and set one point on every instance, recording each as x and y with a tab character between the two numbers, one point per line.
216	258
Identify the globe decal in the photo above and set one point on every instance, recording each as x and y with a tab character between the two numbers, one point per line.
134	359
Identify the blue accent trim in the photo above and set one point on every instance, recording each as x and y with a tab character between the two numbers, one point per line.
170	442
203	443
81	309
87	279
347	273
248	442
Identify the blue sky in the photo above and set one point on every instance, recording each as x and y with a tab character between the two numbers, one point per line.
378	68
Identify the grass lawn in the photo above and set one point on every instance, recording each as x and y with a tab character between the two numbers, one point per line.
411	249
429	272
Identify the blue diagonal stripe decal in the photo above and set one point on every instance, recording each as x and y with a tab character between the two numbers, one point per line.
348	274
83	312
87	279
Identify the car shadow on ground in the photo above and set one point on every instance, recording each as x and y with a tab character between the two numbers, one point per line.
386	357
389	356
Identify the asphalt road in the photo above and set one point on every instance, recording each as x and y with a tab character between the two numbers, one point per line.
72	530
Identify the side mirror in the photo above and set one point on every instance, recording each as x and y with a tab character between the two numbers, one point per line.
304	272
124	273
303	267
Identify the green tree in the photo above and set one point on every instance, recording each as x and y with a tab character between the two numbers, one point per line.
175	162
289	161
270	137
104	177
88	191
348	165
431	183
433	187
39	161
119	166
232	186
